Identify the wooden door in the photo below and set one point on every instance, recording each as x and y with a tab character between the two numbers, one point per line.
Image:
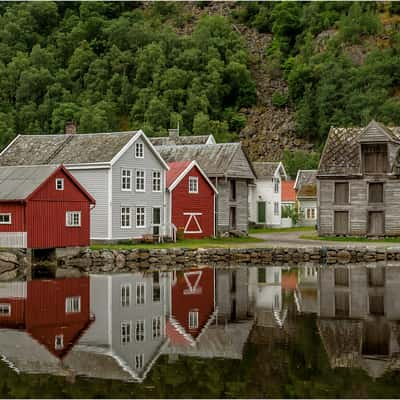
376	223
341	223
261	212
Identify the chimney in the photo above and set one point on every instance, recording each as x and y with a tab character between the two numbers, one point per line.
70	128
173	133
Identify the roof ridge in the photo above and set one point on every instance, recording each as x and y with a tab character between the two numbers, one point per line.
76	134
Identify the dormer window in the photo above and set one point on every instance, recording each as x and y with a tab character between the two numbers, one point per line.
139	150
59	184
375	158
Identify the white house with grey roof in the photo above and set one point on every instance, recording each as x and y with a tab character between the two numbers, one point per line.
265	195
121	170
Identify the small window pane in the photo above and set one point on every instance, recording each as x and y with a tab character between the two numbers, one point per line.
73	304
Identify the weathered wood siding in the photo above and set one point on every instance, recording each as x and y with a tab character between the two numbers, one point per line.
240	167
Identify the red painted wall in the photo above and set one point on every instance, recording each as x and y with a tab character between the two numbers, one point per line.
201	202
17	317
203	302
17	217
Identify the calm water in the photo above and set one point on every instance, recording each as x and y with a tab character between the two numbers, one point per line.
256	332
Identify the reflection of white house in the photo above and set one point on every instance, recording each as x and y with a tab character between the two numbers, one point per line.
307	288
265	194
128	333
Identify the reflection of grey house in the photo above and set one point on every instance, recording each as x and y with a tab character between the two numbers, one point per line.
128	333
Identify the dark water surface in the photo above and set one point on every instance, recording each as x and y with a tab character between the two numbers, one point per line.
238	332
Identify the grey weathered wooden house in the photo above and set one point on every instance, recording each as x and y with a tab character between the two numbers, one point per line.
121	170
359	182
230	172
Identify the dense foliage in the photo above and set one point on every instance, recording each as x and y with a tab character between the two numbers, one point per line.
118	65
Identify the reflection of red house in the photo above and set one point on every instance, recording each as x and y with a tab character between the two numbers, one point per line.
43	206
289	280
192	199
192	305
54	312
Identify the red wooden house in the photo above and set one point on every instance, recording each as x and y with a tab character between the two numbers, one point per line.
191	199
192	305
43	207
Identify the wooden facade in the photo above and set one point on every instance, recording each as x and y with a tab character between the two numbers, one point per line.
358	182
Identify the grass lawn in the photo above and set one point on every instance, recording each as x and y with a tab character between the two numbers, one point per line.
350	239
188	243
277	230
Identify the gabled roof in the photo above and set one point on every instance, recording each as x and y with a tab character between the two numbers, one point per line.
306	183
266	170
179	169
182	140
287	191
222	159
20	182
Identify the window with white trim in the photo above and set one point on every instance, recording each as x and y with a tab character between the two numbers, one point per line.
140	217
125	217
126	332
73	304
276	185
5	309
310	213
139	330
139	361
126	295
5	218
59	184
59	342
156	327
140	179
73	218
276	208
156	181
193	319
193	184
126	179
140	293
139	150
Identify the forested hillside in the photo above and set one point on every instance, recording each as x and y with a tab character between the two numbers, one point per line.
277	75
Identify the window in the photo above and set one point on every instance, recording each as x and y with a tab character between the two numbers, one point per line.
73	304
276	208
232	189
342	277
139	361
377	305
140	180
73	218
139	150
277	302
5	218
126	332
125	217
125	295
375	158
276	185
59	342
376	276
310	213
262	276
5	309
193	184
140	293
156	328
342	305
156	181
341	192
139	331
193	319
375	192
276	277
126	179
140	217
59	184
156	287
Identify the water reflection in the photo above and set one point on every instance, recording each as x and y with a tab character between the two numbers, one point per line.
117	326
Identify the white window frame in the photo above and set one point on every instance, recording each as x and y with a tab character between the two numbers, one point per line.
5	309
276	185
70	219
61	181
126	332
193	184
193	318
156	181
140	329
156	327
126	295
7	215
139	150
59	342
140	179
313	213
126	212
141	214
70	304
139	361
276	208
140	298
126	180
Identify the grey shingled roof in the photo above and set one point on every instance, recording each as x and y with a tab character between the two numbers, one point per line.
214	159
17	183
265	169
180	140
65	149
306	183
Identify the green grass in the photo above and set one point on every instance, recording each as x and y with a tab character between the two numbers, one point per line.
278	230
187	243
350	239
